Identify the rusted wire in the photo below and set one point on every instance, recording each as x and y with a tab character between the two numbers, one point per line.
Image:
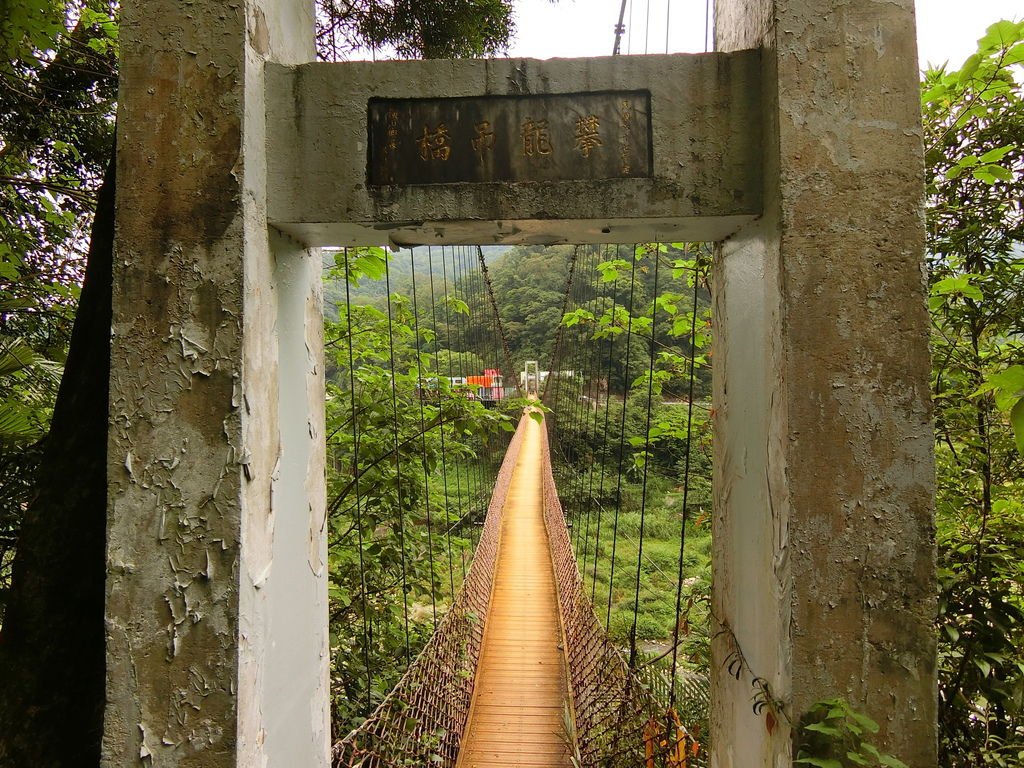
421	720
619	720
497	320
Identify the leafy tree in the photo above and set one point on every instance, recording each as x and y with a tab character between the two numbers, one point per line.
57	85
974	134
400	508
56	90
431	29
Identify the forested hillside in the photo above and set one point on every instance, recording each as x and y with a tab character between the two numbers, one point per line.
409	468
974	149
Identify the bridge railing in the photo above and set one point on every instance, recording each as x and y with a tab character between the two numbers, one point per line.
421	721
617	720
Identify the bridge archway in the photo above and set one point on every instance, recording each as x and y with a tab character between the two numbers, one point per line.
796	147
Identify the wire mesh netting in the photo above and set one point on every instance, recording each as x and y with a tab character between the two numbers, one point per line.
421	721
618	718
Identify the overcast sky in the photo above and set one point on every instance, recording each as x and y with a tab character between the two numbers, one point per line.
947	29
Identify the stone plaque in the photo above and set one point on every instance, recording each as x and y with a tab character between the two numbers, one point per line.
555	137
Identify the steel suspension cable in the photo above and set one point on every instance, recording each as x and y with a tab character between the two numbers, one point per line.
586	369
440	426
627	385
596	389
686	480
398	464
367	627
451	378
607	416
572	416
647	459
472	469
556	359
497	316
423	440
480	350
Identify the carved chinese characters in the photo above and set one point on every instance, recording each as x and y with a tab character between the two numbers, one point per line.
559	137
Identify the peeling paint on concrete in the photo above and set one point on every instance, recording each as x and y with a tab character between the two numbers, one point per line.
835	386
704	134
194	394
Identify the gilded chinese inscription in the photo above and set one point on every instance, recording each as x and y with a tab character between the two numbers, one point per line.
552	137
536	138
393	132
626	114
434	144
483	141
588	134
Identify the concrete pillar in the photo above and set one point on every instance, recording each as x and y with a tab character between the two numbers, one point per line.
824	580
216	596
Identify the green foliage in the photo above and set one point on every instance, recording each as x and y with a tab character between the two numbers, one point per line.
592	420
27	385
429	29
833	734
57	88
974	133
409	465
529	283
56	128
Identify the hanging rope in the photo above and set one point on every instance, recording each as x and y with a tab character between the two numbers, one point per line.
622	437
647	462
497	318
579	438
628	710
451	376
398	468
423	384
367	626
686	480
440	416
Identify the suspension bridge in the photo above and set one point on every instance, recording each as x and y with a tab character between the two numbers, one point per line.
520	671
794	147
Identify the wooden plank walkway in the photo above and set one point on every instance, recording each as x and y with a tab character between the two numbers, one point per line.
520	692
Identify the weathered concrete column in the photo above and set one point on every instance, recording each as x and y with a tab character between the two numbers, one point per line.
216	595
824	566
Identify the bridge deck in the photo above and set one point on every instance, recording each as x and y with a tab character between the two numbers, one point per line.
520	691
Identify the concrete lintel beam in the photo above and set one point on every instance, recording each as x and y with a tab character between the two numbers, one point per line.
705	136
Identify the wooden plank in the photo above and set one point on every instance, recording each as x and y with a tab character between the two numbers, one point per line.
520	692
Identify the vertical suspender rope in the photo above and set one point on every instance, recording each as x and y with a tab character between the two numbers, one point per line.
461	465
451	376
423	440
686	480
707	25
472	479
492	350
647	461
556	356
481	351
398	465
586	390
440	422
595	457
668	19
570	462
622	437
367	628
607	416
586	401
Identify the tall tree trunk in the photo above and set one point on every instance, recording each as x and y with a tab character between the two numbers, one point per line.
52	665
